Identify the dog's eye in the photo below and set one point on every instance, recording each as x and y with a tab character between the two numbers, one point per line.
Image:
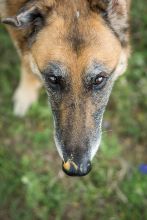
52	79
99	81
53	82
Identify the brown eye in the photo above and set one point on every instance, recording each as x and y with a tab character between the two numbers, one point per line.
99	81
52	79
54	82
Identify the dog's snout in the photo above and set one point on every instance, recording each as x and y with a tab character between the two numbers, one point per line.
76	169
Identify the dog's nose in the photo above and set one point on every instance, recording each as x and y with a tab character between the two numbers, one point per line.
73	169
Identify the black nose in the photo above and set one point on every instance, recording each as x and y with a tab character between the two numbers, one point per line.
73	169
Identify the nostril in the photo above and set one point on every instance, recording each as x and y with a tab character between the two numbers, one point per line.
85	168
72	169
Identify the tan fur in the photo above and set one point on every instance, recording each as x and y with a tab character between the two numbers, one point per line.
76	34
42	53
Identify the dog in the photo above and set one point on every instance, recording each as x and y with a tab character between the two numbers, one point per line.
76	49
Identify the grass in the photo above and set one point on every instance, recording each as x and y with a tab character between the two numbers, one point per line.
32	185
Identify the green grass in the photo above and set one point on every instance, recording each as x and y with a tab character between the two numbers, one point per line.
32	185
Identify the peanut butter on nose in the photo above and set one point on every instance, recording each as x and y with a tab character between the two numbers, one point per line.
66	165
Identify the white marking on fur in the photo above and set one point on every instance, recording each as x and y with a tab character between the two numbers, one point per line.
78	14
24	96
95	148
23	99
58	147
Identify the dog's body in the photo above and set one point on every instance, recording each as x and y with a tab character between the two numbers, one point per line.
77	48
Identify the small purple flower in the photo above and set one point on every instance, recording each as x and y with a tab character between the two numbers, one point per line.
143	168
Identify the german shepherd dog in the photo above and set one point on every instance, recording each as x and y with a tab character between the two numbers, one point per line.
76	49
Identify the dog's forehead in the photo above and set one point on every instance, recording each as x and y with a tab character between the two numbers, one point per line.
76	42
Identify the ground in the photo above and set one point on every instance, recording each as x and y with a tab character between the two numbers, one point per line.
32	184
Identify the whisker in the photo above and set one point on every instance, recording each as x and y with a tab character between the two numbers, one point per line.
107	131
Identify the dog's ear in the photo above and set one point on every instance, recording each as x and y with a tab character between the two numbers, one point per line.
29	14
99	5
119	7
24	18
115	13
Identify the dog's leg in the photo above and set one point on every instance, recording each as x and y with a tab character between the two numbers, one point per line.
27	91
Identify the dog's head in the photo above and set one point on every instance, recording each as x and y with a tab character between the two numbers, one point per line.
79	48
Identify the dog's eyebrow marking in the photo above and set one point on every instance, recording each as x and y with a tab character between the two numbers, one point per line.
96	68
55	68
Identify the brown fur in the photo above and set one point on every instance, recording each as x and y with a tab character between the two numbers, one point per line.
81	39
